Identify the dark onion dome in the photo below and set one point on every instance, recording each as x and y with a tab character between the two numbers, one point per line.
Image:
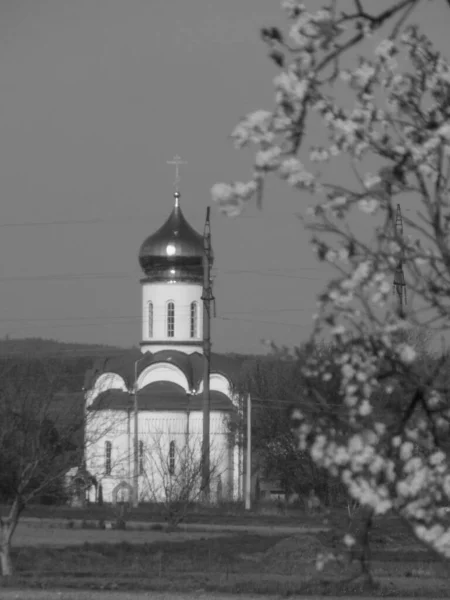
174	252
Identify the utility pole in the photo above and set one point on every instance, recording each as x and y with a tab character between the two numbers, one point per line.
136	435
208	299
248	474
399	286
136	441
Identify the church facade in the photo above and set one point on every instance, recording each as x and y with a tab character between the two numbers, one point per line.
159	388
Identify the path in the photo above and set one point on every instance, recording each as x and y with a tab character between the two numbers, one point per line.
27	535
47	532
198	527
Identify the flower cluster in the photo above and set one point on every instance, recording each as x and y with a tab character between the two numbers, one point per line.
388	454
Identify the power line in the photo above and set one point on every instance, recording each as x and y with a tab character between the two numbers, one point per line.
138	274
122	218
261	321
228	314
108	321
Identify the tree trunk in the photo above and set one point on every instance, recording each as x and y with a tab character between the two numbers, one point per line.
5	556
366	523
7	527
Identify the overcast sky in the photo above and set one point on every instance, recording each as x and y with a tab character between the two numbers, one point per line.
95	97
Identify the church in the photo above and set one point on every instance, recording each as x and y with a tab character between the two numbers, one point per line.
156	392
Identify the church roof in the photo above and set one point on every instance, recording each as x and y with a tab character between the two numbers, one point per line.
175	251
160	396
190	364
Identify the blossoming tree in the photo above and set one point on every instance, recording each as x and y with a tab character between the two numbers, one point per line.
389	448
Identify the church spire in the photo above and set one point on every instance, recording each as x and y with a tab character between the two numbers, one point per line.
399	287
177	162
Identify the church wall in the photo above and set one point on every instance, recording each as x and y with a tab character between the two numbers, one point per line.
181	294
109	427
219	450
156	431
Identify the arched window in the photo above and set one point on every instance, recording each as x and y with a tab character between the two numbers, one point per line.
150	319
172	458
194	319
108	453
141	457
170	319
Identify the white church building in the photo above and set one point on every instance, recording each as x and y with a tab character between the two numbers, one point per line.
164	379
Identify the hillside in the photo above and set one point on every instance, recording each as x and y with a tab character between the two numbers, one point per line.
40	347
70	360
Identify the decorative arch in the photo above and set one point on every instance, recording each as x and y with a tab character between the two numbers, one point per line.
218	382
221	383
162	371
123	492
106	381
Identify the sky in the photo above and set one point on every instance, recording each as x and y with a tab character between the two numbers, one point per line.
95	97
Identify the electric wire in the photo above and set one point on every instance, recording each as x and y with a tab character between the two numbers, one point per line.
138	275
123	218
111	321
97	321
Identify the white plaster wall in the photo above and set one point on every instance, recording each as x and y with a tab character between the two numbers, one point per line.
219	448
157	430
182	294
109	426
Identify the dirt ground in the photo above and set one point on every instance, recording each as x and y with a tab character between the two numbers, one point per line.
71	595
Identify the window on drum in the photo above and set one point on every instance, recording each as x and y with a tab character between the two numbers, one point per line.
194	319
150	319
170	319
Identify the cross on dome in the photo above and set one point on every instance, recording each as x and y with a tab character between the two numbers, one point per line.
177	162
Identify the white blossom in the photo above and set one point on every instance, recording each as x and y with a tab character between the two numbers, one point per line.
396	117
267	159
407	353
368	205
222	192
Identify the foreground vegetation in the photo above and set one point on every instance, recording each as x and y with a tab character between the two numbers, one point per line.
271	564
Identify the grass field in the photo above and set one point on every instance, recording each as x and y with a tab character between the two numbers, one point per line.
233	513
195	562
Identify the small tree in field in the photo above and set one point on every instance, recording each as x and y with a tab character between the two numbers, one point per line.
173	475
41	438
386	437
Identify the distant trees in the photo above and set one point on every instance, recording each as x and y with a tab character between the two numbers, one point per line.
41	438
276	382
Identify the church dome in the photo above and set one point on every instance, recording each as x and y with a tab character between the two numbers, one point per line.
174	252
